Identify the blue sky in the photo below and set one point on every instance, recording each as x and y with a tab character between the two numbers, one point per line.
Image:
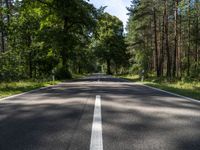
114	7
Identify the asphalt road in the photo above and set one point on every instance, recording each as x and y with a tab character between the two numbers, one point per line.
133	117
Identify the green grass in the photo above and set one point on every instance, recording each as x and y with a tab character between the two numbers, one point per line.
185	88
78	76
133	78
11	88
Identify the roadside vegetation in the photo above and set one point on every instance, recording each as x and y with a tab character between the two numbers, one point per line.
164	38
11	88
65	39
42	38
8	88
186	88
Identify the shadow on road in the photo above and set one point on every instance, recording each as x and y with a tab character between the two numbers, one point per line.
134	117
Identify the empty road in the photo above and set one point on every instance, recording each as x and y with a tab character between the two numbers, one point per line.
99	113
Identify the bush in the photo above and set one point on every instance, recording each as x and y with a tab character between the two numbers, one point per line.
11	68
62	73
134	69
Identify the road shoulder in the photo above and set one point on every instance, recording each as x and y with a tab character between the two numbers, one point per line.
162	90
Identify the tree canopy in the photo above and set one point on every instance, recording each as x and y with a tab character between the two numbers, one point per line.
163	37
110	46
41	36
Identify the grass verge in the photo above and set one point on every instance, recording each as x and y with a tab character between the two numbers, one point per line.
78	76
11	88
186	88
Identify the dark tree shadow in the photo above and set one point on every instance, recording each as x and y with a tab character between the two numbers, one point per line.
60	117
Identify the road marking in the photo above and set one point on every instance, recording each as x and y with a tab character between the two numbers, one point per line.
20	94
96	142
185	97
31	91
157	89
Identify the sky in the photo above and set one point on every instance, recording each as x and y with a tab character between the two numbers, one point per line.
114	7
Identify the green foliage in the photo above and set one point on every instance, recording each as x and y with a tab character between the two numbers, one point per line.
62	73
186	87
110	46
42	35
10	88
65	36
154	28
135	69
10	68
139	33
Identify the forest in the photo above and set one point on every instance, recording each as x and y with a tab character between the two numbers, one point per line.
164	37
44	37
41	38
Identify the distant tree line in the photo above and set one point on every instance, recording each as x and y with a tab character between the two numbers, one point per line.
38	37
110	45
164	37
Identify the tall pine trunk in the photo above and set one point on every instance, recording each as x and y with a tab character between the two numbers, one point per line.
179	64
197	36
8	7
2	41
64	48
162	44
175	39
167	40
197	45
2	30
189	40
156	43
30	64
108	67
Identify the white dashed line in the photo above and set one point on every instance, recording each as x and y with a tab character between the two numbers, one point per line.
96	142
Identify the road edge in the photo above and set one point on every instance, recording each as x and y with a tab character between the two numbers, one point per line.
31	91
171	93
35	90
161	90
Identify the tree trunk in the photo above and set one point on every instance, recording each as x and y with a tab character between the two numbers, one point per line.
156	43
108	66
175	39
2	31
8	7
197	37
196	44
162	44
64	49
179	65
29	41
167	41
188	51
79	68
30	65
2	42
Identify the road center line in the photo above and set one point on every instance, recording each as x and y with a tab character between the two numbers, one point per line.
96	142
